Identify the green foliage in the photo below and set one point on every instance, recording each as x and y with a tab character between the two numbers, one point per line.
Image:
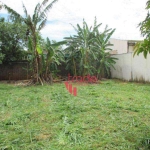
52	56
12	40
102	46
1	57
35	23
144	46
87	52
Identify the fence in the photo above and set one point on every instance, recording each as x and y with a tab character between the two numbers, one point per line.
15	71
20	70
131	68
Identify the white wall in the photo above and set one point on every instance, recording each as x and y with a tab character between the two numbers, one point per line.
131	49
131	68
120	45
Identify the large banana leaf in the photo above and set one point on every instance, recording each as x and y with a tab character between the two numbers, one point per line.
39	49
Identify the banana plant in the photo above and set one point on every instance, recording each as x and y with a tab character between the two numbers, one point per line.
88	50
72	55
81	46
102	46
52	56
35	23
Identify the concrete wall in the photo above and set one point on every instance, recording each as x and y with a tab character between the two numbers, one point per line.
120	45
131	68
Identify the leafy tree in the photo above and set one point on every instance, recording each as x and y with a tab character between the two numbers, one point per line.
81	45
50	55
144	46
12	40
87	52
72	55
1	58
102	47
34	23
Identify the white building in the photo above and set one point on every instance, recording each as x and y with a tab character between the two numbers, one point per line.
122	46
127	66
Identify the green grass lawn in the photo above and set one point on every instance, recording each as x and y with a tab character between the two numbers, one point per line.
112	115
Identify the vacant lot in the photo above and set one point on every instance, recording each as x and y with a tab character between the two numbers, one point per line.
112	115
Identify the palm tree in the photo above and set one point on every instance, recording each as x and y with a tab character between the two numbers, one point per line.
35	23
